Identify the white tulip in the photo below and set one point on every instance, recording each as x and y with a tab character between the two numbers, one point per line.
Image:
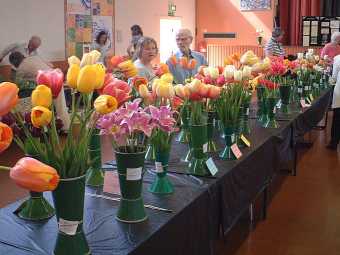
300	55
229	71
246	72
214	73
238	75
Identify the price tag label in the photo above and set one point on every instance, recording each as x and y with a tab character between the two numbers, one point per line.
205	147
133	174
247	112
211	166
245	140
159	167
236	151
68	227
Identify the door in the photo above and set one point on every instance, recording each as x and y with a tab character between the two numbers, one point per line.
168	29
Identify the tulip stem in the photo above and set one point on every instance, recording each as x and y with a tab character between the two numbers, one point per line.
5	168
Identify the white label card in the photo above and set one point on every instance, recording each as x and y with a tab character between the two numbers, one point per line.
68	227
299	90
247	113
211	166
159	167
205	147
133	174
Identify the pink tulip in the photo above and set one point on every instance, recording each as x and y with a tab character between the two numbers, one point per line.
118	89
54	79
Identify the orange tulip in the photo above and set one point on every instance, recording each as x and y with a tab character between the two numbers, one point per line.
173	60
6	136
192	64
8	97
183	61
214	92
34	175
137	81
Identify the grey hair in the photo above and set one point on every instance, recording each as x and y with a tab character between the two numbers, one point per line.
335	36
185	31
142	42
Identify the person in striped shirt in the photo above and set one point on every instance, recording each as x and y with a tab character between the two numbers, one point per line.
274	46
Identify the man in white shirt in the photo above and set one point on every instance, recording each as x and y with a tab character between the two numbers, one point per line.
26	49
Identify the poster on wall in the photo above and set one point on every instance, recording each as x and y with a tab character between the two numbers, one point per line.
79	7
102	7
102	23
255	5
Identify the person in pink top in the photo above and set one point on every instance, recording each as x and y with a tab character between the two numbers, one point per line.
333	48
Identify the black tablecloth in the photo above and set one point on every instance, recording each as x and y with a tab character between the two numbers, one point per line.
200	205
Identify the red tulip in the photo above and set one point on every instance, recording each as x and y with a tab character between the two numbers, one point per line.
162	69
34	175
54	79
6	136
220	80
107	80
118	89
116	60
137	81
8	97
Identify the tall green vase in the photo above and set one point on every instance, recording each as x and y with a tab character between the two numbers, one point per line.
271	108
230	139
95	175
68	200
265	112
150	153
198	144
162	185
130	169
211	147
245	128
259	95
183	136
285	97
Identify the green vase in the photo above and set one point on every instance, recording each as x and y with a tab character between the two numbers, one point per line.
211	147
95	175
183	136
130	169
259	95
271	107
35	208
285	96
265	111
198	145
162	184
238	129
245	128
68	200
150	153
187	157
230	139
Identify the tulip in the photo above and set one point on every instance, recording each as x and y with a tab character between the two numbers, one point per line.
162	69
40	116
300	55
228	61
137	81
220	80
238	75
42	96
165	89
201	70
183	61
105	104
90	58
100	75
116	60
119	90
54	79
182	91
6	136
246	72
8	97
207	79
203	90
214	92
173	60
167	77
229	71
143	91
155	85
34	175
214	72
72	75
176	102
192	64
109	78
73	60
86	79
195	85
126	65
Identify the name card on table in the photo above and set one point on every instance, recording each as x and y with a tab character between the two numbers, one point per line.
111	183
304	104
211	166
133	174
245	140
159	167
236	150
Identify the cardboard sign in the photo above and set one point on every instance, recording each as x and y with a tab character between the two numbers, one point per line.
245	140
211	166
236	151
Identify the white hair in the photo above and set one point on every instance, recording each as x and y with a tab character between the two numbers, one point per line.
335	38
185	32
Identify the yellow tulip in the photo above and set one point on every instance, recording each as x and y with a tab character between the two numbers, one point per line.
73	60
86	79
72	75
42	96
195	85
40	116
155	85
100	75
143	91
105	104
182	91
167	77
165	89
90	58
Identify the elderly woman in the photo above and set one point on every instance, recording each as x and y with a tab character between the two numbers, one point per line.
333	48
146	51
335	133
274	45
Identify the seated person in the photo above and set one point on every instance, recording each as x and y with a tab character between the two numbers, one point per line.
27	67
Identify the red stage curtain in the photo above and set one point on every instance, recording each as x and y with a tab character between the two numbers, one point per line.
291	13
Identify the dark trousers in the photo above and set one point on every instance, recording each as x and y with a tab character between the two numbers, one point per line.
335	135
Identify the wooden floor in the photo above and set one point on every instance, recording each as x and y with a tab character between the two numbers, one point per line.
303	216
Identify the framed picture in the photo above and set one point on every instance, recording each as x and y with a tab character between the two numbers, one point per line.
255	5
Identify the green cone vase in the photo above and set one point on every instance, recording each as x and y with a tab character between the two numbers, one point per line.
271	107
245	128
211	148
259	95
162	184
183	136
230	139
238	129
198	140
35	208
95	175
265	112
285	97
130	169
68	200
150	153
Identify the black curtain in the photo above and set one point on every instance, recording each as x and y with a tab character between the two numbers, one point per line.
331	8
